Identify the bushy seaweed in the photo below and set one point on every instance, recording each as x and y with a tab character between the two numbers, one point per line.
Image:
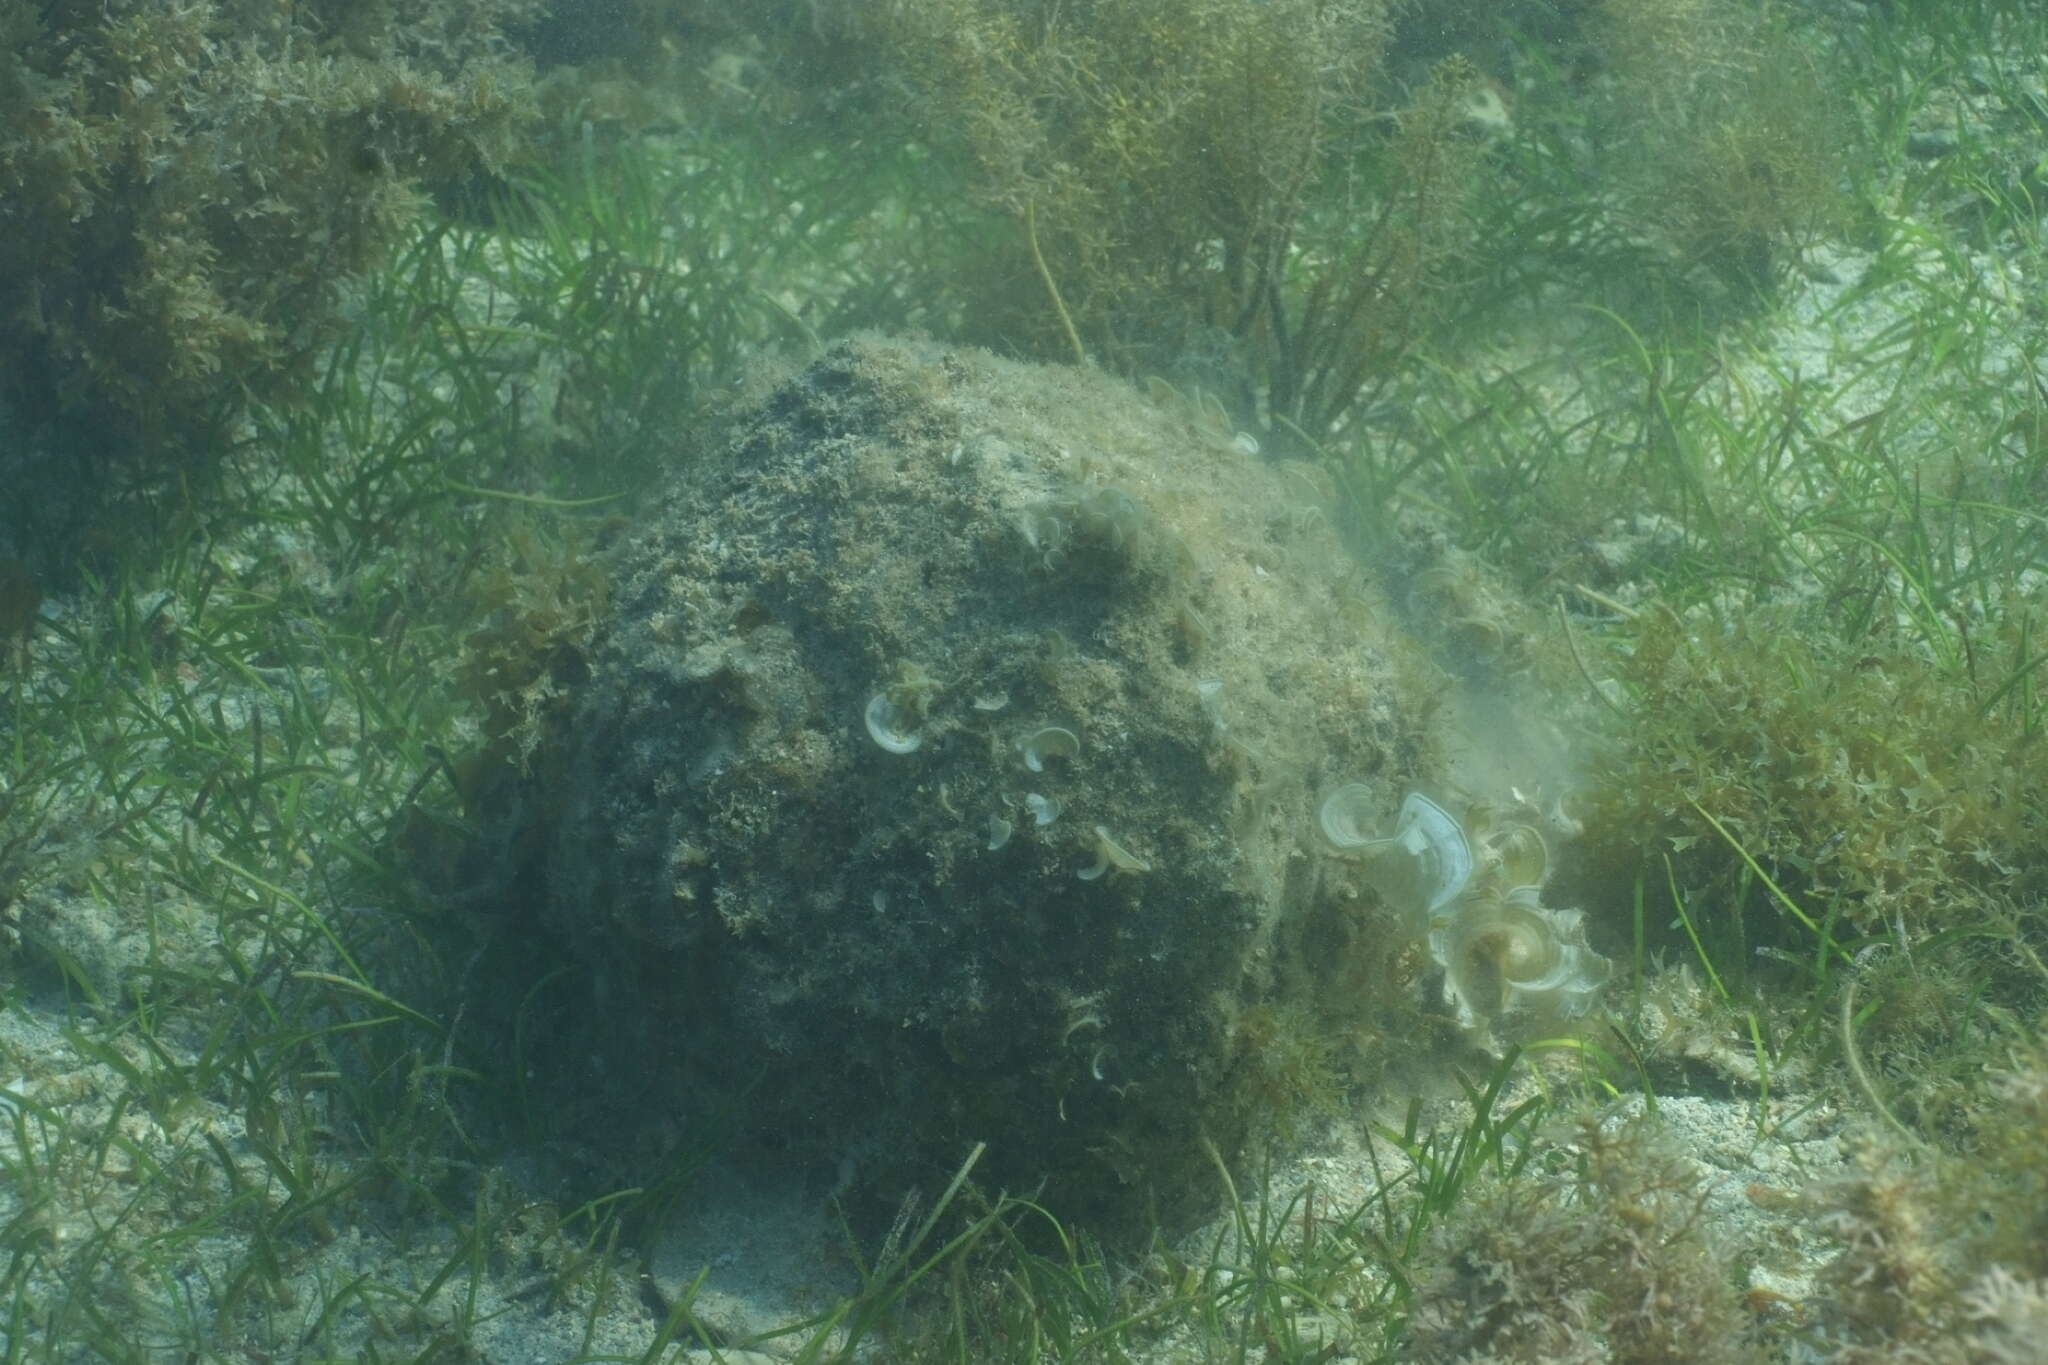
1611	1260
183	189
1209	184
1724	135
1787	778
1943	1256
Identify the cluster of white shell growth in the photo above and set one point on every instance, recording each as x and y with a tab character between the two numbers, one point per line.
1476	899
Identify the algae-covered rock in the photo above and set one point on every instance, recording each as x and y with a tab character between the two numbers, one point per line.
946	773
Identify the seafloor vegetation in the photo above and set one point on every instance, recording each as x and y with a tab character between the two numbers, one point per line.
1678	365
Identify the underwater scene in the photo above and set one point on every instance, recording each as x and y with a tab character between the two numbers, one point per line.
1024	681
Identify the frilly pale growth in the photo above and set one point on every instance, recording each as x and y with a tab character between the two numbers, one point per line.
890	726
1421	867
1478	905
894	714
1045	744
1514	955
